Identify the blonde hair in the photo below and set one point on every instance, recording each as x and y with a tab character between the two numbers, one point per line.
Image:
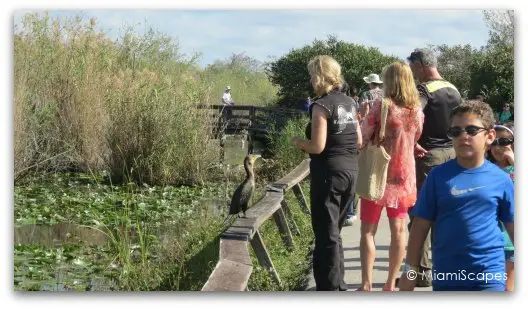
398	85
327	74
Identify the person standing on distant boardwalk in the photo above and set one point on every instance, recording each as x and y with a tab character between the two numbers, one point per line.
226	97
227	100
333	135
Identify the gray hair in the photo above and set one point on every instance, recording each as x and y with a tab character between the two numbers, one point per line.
424	56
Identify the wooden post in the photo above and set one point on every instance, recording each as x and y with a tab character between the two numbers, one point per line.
251	116
290	215
263	255
280	220
300	196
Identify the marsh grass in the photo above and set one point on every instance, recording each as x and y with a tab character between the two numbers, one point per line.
283	155
85	102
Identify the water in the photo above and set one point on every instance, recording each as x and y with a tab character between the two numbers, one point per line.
53	236
58	234
78	276
236	148
216	207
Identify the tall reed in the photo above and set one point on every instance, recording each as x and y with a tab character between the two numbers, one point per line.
85	102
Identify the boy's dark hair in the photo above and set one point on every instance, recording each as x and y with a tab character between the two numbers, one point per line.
479	108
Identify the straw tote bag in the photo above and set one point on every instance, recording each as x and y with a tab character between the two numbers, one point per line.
374	163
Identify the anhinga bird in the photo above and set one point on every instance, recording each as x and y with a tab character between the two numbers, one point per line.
242	195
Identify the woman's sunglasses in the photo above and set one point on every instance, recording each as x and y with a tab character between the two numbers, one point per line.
470	130
502	141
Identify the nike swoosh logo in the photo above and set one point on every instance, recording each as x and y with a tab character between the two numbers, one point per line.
456	192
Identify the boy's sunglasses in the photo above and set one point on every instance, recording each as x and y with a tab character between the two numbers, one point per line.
502	141
470	130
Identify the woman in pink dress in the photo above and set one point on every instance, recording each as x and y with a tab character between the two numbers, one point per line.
402	130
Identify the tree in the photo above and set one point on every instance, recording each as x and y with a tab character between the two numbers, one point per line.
245	75
501	24
290	72
238	62
492	69
454	65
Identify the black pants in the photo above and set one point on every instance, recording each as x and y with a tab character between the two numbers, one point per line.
331	192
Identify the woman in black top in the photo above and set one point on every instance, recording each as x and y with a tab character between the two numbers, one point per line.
333	139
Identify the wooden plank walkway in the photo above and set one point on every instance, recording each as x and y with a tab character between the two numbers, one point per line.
351	236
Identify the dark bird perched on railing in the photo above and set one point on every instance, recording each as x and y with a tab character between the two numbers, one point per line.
242	195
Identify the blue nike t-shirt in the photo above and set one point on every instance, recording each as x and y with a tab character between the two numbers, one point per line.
466	207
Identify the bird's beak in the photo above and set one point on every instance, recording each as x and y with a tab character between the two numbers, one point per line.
255	157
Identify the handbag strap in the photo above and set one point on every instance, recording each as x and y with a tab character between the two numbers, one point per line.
384	112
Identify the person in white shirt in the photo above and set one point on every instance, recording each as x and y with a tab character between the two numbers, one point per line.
226	98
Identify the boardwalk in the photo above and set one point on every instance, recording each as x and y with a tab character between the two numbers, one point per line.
351	237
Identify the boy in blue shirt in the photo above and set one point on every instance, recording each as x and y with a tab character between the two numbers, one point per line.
465	199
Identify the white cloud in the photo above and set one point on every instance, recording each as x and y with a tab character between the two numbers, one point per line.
218	34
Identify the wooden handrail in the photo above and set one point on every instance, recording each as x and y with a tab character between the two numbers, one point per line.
253	119
234	266
251	108
294	177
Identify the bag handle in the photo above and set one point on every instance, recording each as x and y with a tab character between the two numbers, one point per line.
384	112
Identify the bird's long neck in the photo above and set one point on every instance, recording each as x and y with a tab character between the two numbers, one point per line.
249	172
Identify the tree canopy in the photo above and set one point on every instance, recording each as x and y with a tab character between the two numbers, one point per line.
488	70
290	72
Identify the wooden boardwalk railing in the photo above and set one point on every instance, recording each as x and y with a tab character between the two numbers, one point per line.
254	119
234	266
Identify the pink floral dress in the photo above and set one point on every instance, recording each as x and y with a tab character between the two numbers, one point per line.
402	131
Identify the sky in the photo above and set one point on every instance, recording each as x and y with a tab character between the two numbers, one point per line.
261	34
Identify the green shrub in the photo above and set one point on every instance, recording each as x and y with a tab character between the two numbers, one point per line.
285	156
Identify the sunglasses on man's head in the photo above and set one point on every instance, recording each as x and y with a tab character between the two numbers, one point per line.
470	130
502	141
